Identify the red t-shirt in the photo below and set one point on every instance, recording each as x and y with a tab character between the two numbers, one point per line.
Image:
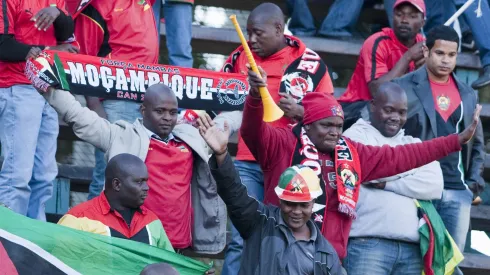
132	32
379	55
15	19
170	169
275	66
446	97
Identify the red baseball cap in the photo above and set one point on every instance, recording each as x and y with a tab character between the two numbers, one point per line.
419	4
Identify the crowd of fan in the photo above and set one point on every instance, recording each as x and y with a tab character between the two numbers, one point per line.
327	189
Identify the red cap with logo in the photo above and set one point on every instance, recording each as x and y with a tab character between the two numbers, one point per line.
419	4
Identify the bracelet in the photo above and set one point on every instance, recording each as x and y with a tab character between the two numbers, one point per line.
220	154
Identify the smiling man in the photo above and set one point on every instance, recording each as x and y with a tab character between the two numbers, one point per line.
439	104
317	142
385	55
118	211
384	238
278	240
176	157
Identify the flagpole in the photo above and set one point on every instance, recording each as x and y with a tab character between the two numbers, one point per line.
459	12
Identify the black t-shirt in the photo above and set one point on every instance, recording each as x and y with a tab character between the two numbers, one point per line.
452	165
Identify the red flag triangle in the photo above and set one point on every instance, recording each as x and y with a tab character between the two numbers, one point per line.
6	265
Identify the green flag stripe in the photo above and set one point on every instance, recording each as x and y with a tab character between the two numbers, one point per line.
61	73
89	253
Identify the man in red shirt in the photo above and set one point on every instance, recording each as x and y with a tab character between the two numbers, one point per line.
118	211
341	164
439	104
182	191
294	70
119	29
384	56
28	125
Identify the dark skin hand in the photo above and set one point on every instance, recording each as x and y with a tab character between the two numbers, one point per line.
468	133
415	53
45	18
33	53
256	81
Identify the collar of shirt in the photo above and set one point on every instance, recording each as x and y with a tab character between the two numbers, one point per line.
151	134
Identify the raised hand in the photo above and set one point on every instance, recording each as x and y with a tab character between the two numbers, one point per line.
468	133
216	138
256	81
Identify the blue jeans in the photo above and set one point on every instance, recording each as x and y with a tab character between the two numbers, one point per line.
382	257
454	208
178	25
480	27
252	177
28	133
343	15
157	8
115	110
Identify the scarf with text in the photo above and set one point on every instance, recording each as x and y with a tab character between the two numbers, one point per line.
347	172
126	80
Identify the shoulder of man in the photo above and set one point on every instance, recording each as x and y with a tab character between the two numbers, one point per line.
376	38
124	124
231	62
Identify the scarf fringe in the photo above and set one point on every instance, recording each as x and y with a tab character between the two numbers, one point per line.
346	209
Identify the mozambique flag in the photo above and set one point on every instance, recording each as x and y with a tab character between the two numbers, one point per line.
439	251
33	247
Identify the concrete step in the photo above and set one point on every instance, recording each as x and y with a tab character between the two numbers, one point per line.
335	53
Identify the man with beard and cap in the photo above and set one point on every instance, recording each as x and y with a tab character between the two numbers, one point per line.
118	211
341	164
384	239
176	157
277	240
384	56
294	70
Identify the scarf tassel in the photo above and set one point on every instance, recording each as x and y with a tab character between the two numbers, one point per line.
346	209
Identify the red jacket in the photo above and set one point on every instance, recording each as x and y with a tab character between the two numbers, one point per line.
274	147
278	75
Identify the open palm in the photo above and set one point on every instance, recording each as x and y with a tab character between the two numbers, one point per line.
216	138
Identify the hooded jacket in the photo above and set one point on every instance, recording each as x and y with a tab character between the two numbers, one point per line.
391	213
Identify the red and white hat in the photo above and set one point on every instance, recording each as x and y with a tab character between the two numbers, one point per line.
419	4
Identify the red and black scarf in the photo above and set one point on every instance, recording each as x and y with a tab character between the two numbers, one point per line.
128	80
347	172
